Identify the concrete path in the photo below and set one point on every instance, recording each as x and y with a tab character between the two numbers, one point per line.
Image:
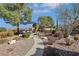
38	47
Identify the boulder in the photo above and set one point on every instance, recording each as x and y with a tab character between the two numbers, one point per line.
69	40
12	42
20	35
45	39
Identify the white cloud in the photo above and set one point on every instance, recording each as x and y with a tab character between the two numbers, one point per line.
46	5
52	5
41	11
44	8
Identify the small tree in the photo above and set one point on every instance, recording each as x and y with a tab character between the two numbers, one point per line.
45	21
35	26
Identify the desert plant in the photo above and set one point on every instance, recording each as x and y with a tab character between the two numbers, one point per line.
3	40
26	35
53	31
16	38
3	29
76	37
68	16
67	41
6	33
3	34
61	35
15	31
10	33
65	34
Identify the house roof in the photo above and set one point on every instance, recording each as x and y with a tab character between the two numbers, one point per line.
49	28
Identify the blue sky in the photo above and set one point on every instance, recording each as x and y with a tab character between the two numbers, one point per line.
39	9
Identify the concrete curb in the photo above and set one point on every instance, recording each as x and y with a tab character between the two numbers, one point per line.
38	47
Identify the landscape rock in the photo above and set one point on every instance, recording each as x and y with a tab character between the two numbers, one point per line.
12	42
69	40
20	35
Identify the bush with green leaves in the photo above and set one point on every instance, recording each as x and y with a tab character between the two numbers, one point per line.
26	35
16	38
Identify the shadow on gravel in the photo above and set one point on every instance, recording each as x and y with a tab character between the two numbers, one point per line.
62	44
39	52
49	51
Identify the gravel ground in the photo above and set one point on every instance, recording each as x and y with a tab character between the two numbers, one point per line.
20	48
58	48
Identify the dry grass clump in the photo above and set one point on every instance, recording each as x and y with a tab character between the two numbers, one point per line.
3	34
10	33
76	37
6	33
3	29
3	40
17	38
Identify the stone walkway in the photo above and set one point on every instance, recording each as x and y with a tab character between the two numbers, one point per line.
38	47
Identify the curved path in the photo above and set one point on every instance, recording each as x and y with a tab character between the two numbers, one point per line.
38	47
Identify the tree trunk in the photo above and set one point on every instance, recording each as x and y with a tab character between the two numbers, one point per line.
57	24
17	28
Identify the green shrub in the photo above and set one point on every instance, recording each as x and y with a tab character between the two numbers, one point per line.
76	37
26	35
10	33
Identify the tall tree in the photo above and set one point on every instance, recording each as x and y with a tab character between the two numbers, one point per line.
45	21
68	15
15	13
